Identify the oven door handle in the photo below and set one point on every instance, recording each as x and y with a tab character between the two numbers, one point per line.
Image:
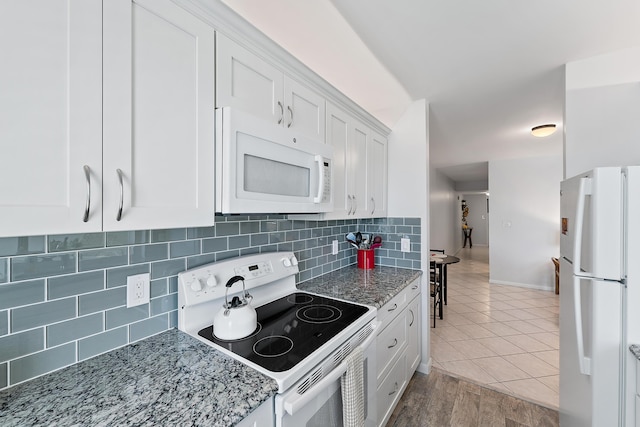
300	400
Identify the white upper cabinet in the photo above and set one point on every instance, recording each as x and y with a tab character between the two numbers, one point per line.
377	176
158	116
359	167
50	116
251	84
357	170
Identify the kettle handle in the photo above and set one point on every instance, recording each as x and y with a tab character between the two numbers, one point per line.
233	280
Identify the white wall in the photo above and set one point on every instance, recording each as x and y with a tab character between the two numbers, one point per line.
478	219
524	225
602	107
408	192
444	214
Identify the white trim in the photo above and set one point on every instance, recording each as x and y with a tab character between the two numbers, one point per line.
425	368
522	285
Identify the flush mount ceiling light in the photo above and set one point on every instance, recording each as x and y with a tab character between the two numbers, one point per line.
543	130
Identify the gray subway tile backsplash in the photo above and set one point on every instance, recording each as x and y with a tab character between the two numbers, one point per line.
101	343
71	330
40	363
148	327
100	301
21	344
41	314
35	266
4	322
52	315
102	258
22	293
13	246
148	253
75	284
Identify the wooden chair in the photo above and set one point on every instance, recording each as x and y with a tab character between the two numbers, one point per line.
435	285
556	264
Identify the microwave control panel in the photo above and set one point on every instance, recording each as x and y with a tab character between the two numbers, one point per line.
326	182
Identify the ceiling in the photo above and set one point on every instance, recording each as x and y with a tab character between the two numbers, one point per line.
489	70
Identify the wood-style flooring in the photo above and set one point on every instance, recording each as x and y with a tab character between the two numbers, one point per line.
439	400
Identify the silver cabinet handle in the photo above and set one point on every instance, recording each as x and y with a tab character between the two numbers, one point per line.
290	116
119	215
395	343
355	205
281	112
395	306
373	202
395	389
414	287
350	203
413	318
87	206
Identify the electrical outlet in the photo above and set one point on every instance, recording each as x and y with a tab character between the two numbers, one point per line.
334	247
138	289
405	244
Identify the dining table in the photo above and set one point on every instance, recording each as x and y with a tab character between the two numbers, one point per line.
442	261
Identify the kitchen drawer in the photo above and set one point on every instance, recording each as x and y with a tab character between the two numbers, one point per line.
392	308
413	290
391	341
391	389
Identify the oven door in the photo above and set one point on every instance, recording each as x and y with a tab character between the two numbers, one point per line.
266	168
321	405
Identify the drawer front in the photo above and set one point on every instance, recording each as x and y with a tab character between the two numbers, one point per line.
392	308
413	290
413	336
391	389
391	341
637	411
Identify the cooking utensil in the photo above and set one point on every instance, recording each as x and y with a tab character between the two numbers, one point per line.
377	239
358	238
237	319
376	245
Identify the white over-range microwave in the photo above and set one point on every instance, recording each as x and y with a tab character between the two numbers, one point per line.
265	168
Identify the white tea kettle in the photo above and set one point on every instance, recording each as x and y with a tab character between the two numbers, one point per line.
237	319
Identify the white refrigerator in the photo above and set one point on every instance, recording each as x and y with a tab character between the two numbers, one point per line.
599	296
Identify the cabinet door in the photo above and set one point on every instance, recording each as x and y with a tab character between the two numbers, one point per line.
50	116
158	116
357	169
338	136
413	336
304	110
245	81
377	175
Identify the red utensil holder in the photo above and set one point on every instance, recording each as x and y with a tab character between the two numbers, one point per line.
366	259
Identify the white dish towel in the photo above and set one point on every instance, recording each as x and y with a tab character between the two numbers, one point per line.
352	384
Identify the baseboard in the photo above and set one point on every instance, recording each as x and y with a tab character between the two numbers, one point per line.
523	285
424	368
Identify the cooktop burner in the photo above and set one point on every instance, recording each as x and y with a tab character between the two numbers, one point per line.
293	327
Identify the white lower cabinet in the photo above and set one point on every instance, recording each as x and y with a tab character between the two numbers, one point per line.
262	416
637	393
398	348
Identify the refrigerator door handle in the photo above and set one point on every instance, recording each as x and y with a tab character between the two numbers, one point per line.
584	189
583	362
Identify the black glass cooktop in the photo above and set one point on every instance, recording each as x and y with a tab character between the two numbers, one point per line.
290	329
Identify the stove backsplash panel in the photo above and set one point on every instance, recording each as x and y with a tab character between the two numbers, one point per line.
63	297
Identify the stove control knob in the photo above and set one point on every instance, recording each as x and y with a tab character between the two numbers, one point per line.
211	281
286	262
196	286
294	260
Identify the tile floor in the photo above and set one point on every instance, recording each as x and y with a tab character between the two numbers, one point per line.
504	337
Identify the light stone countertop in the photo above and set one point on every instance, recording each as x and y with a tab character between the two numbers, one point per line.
172	378
167	379
370	287
635	349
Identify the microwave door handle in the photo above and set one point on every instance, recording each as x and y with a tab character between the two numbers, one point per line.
584	189
319	160
298	401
